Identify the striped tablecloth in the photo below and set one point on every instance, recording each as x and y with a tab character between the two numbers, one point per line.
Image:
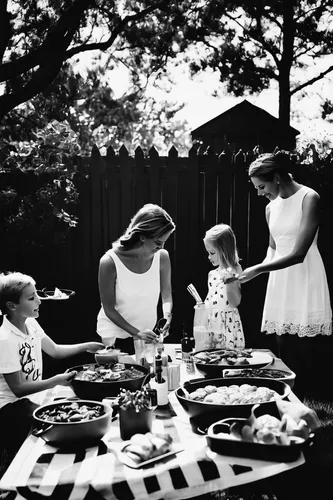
42	471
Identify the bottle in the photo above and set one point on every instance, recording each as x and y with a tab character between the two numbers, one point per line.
187	351
159	383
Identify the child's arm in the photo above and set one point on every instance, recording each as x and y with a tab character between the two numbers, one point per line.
22	387
60	351
234	291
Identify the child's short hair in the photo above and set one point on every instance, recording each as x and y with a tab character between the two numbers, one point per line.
223	240
11	286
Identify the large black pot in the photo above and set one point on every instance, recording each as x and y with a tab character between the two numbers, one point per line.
204	414
83	433
97	391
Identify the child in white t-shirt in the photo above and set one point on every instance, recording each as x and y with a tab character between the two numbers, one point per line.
22	341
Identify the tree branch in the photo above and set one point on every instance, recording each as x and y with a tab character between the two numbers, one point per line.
313	80
56	39
5	28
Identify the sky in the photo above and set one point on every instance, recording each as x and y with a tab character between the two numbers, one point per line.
204	97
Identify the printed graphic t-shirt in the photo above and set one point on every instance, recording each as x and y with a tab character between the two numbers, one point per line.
20	352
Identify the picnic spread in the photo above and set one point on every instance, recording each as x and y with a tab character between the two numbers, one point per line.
186	468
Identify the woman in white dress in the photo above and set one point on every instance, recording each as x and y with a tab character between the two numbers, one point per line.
297	305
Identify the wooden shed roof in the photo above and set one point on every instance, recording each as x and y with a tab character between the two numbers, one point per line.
250	115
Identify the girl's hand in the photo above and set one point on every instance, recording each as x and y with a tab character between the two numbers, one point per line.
93	347
148	336
249	273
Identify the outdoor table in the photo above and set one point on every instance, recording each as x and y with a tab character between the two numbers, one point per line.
96	472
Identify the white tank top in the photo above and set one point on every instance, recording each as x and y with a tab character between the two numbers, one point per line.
137	297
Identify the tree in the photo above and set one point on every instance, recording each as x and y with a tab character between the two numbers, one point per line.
252	43
37	38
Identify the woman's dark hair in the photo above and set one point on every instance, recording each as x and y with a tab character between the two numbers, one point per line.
269	164
150	221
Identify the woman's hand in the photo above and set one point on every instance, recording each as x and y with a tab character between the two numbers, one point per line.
148	336
249	273
166	328
94	346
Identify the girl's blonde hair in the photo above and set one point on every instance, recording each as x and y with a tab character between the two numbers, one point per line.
222	238
11	286
150	221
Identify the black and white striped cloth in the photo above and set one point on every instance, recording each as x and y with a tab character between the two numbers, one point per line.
41	471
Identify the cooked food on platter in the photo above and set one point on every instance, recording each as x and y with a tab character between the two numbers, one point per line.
257	372
265	437
145	449
71	412
224	356
142	447
234	394
107	372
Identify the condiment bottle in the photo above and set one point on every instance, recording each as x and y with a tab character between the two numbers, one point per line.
159	383
187	350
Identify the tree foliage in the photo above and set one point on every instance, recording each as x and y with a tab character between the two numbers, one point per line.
253	43
38	194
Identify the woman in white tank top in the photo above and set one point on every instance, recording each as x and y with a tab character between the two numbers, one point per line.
132	276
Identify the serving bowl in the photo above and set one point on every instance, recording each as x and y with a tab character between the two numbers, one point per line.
221	440
287	376
253	359
97	391
203	414
72	432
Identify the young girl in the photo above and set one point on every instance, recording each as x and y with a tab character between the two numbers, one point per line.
224	293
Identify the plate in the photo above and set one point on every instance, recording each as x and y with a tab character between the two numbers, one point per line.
126	460
49	294
215	370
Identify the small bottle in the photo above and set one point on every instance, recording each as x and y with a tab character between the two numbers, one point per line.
159	383
187	351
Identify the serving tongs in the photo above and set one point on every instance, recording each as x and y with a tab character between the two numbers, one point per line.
193	291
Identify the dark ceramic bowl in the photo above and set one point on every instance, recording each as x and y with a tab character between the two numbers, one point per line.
99	390
204	414
219	440
82	433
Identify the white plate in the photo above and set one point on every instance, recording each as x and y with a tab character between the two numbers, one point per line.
126	460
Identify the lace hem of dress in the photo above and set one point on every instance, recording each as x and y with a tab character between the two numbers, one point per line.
297	329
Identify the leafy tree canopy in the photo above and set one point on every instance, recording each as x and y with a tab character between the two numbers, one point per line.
253	43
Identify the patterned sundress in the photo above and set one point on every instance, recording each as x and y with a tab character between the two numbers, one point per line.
224	321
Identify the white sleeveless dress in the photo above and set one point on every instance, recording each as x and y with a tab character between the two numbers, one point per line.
297	298
137	297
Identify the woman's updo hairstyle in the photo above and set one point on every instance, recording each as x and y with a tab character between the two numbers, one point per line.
150	221
269	164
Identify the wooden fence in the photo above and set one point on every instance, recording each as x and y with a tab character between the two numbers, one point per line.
198	191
